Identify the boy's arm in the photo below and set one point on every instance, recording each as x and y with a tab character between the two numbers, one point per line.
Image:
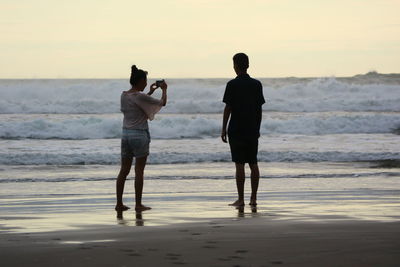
259	117
227	114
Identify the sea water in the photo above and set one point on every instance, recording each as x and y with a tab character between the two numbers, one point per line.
60	140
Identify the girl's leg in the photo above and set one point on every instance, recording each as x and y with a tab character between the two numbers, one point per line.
255	177
140	164
126	164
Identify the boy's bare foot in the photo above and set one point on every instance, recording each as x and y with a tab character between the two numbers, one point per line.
141	208
253	202
237	203
121	208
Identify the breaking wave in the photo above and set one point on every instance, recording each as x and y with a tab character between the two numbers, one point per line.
198	126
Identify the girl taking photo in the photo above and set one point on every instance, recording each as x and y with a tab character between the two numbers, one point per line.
137	108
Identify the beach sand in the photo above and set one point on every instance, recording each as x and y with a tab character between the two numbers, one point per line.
309	221
242	241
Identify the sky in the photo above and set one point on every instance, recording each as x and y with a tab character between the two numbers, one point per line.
197	38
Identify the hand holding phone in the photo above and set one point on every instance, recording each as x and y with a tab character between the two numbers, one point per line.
159	82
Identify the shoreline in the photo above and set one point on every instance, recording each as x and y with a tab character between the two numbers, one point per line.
196	192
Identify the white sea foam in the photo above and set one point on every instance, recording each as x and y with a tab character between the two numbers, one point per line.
275	148
174	157
197	96
199	126
302	116
81	128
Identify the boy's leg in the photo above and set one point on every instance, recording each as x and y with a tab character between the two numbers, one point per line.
255	177
240	177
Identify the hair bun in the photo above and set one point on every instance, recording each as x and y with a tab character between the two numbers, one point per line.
137	75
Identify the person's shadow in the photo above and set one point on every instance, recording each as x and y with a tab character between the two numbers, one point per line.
240	210
120	215
241	213
138	221
254	210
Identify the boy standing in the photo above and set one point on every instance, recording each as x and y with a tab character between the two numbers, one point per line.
243	98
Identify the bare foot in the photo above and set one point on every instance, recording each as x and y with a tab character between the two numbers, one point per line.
121	207
253	202
141	208
237	203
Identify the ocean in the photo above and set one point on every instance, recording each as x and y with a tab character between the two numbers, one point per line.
60	145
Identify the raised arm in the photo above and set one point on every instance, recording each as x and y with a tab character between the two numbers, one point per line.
227	114
163	87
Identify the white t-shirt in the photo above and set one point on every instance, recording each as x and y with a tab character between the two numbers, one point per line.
138	108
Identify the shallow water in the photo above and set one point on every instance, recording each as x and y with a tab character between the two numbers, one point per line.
73	196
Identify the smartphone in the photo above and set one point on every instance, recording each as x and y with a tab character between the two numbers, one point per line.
159	82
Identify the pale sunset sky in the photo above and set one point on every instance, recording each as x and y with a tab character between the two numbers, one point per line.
197	38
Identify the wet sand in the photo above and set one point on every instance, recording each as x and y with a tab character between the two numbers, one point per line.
242	241
340	221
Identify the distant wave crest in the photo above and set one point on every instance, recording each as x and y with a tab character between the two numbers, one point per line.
175	127
192	96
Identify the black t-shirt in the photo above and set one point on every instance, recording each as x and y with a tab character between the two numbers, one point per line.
245	97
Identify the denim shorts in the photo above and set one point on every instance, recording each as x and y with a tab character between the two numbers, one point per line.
135	143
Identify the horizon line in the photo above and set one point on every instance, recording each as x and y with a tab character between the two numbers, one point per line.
177	78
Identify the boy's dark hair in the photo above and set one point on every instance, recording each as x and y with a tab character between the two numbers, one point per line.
137	75
241	60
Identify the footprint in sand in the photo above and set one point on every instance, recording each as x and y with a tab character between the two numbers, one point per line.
217	226
172	256
99	246
277	262
135	254
208	246
127	250
236	257
84	248
196	233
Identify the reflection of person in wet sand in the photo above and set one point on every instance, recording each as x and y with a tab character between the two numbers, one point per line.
243	98
137	108
138	222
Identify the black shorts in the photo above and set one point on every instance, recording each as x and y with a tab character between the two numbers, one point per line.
244	150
